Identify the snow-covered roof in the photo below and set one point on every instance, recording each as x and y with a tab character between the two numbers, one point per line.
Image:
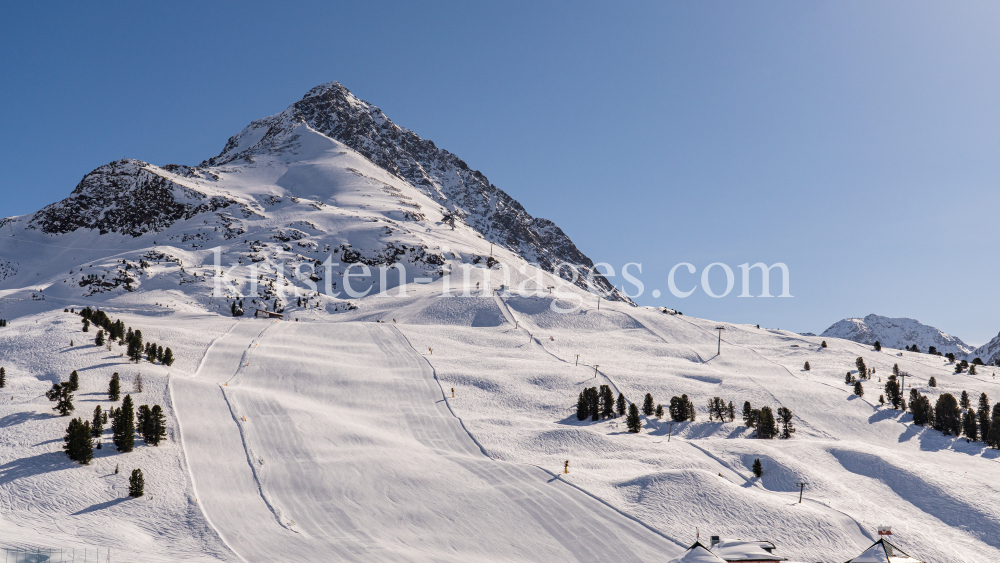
698	553
883	552
741	550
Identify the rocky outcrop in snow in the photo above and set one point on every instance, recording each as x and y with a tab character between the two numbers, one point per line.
897	333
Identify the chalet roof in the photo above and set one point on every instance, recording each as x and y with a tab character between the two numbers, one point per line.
883	551
698	553
741	550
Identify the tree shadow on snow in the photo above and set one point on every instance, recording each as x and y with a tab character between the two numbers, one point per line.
104	365
884	414
101	506
36	465
21	417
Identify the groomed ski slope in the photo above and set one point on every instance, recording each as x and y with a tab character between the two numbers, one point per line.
335	442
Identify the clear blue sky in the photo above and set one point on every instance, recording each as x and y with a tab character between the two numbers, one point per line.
855	141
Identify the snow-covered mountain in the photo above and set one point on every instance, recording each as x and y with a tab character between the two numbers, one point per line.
330	173
897	333
989	352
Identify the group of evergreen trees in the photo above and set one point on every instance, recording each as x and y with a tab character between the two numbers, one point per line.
719	410
3	378
132	340
681	409
3	323
597	404
954	417
762	420
79	443
151	424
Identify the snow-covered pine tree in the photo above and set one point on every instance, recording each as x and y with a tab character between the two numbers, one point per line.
647	405
97	426
758	469
859	390
136	484
137	383
124	427
114	387
633	422
621	404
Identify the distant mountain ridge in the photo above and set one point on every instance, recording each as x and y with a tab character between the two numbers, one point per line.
899	333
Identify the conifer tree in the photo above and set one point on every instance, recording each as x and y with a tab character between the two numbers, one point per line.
972	369
99	339
932	382
785	416
143	424
766	426
892	392
168	357
86	325
881	400
159	354
859	390
878	346
970	427
993	438
647	405
848	379
633	422
74	381
688	408
137	383
758	469
823	344
114	388
158	426
895	369
862	368
582	407
594	398
79	445
124	426
136	484
806	367
97	426
731	411
659	411
747	414
135	347
61	396
621	404
948	417
151	353
963	401
607	402
3	377
950	356
983	414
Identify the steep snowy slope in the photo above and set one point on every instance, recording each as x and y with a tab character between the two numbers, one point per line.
897	333
989	352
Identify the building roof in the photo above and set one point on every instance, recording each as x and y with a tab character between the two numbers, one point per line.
884	552
740	550
698	553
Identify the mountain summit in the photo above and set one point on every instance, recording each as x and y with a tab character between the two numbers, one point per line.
331	174
897	333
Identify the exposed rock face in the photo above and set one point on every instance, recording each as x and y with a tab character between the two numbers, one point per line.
332	110
127	197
